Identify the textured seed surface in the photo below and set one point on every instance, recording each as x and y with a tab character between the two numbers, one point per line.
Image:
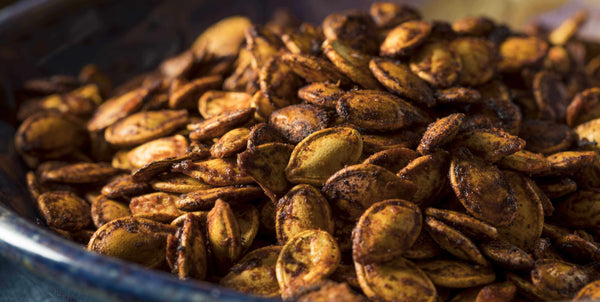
372	109
385	231
323	153
482	189
396	280
305	259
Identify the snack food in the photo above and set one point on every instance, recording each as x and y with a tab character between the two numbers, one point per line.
376	156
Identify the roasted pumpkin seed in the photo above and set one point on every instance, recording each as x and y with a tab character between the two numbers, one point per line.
322	153
224	236
396	280
453	241
305	259
385	231
213	103
355	188
64	210
437	64
255	273
398	78
144	126
379	110
104	210
189	250
137	240
482	189
456	274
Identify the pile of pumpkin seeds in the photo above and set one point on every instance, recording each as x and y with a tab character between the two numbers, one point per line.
374	156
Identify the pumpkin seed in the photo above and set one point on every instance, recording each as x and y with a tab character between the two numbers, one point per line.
144	126
64	210
253	274
322	153
305	259
136	240
385	231
379	110
482	189
396	280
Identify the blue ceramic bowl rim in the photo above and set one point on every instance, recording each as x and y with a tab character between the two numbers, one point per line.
52	256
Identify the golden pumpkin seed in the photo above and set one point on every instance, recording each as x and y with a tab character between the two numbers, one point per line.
453	241
49	135
132	239
321	94
490	144
222	39
313	69
567	29
104	210
589	293
477	57
404	38
385	231
355	188
64	210
296	122
158	149
429	174
396	280
186	96
519	52
220	124
322	153
482	189
189	250
437	64
305	259
440	133
378	110
213	103
390	14
159	203
79	173
527	225
507	255
216	172
224	236
266	165
204	199
230	143
456	274
526	161
353	64
144	126
398	78
559	279
117	108
254	273
584	107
